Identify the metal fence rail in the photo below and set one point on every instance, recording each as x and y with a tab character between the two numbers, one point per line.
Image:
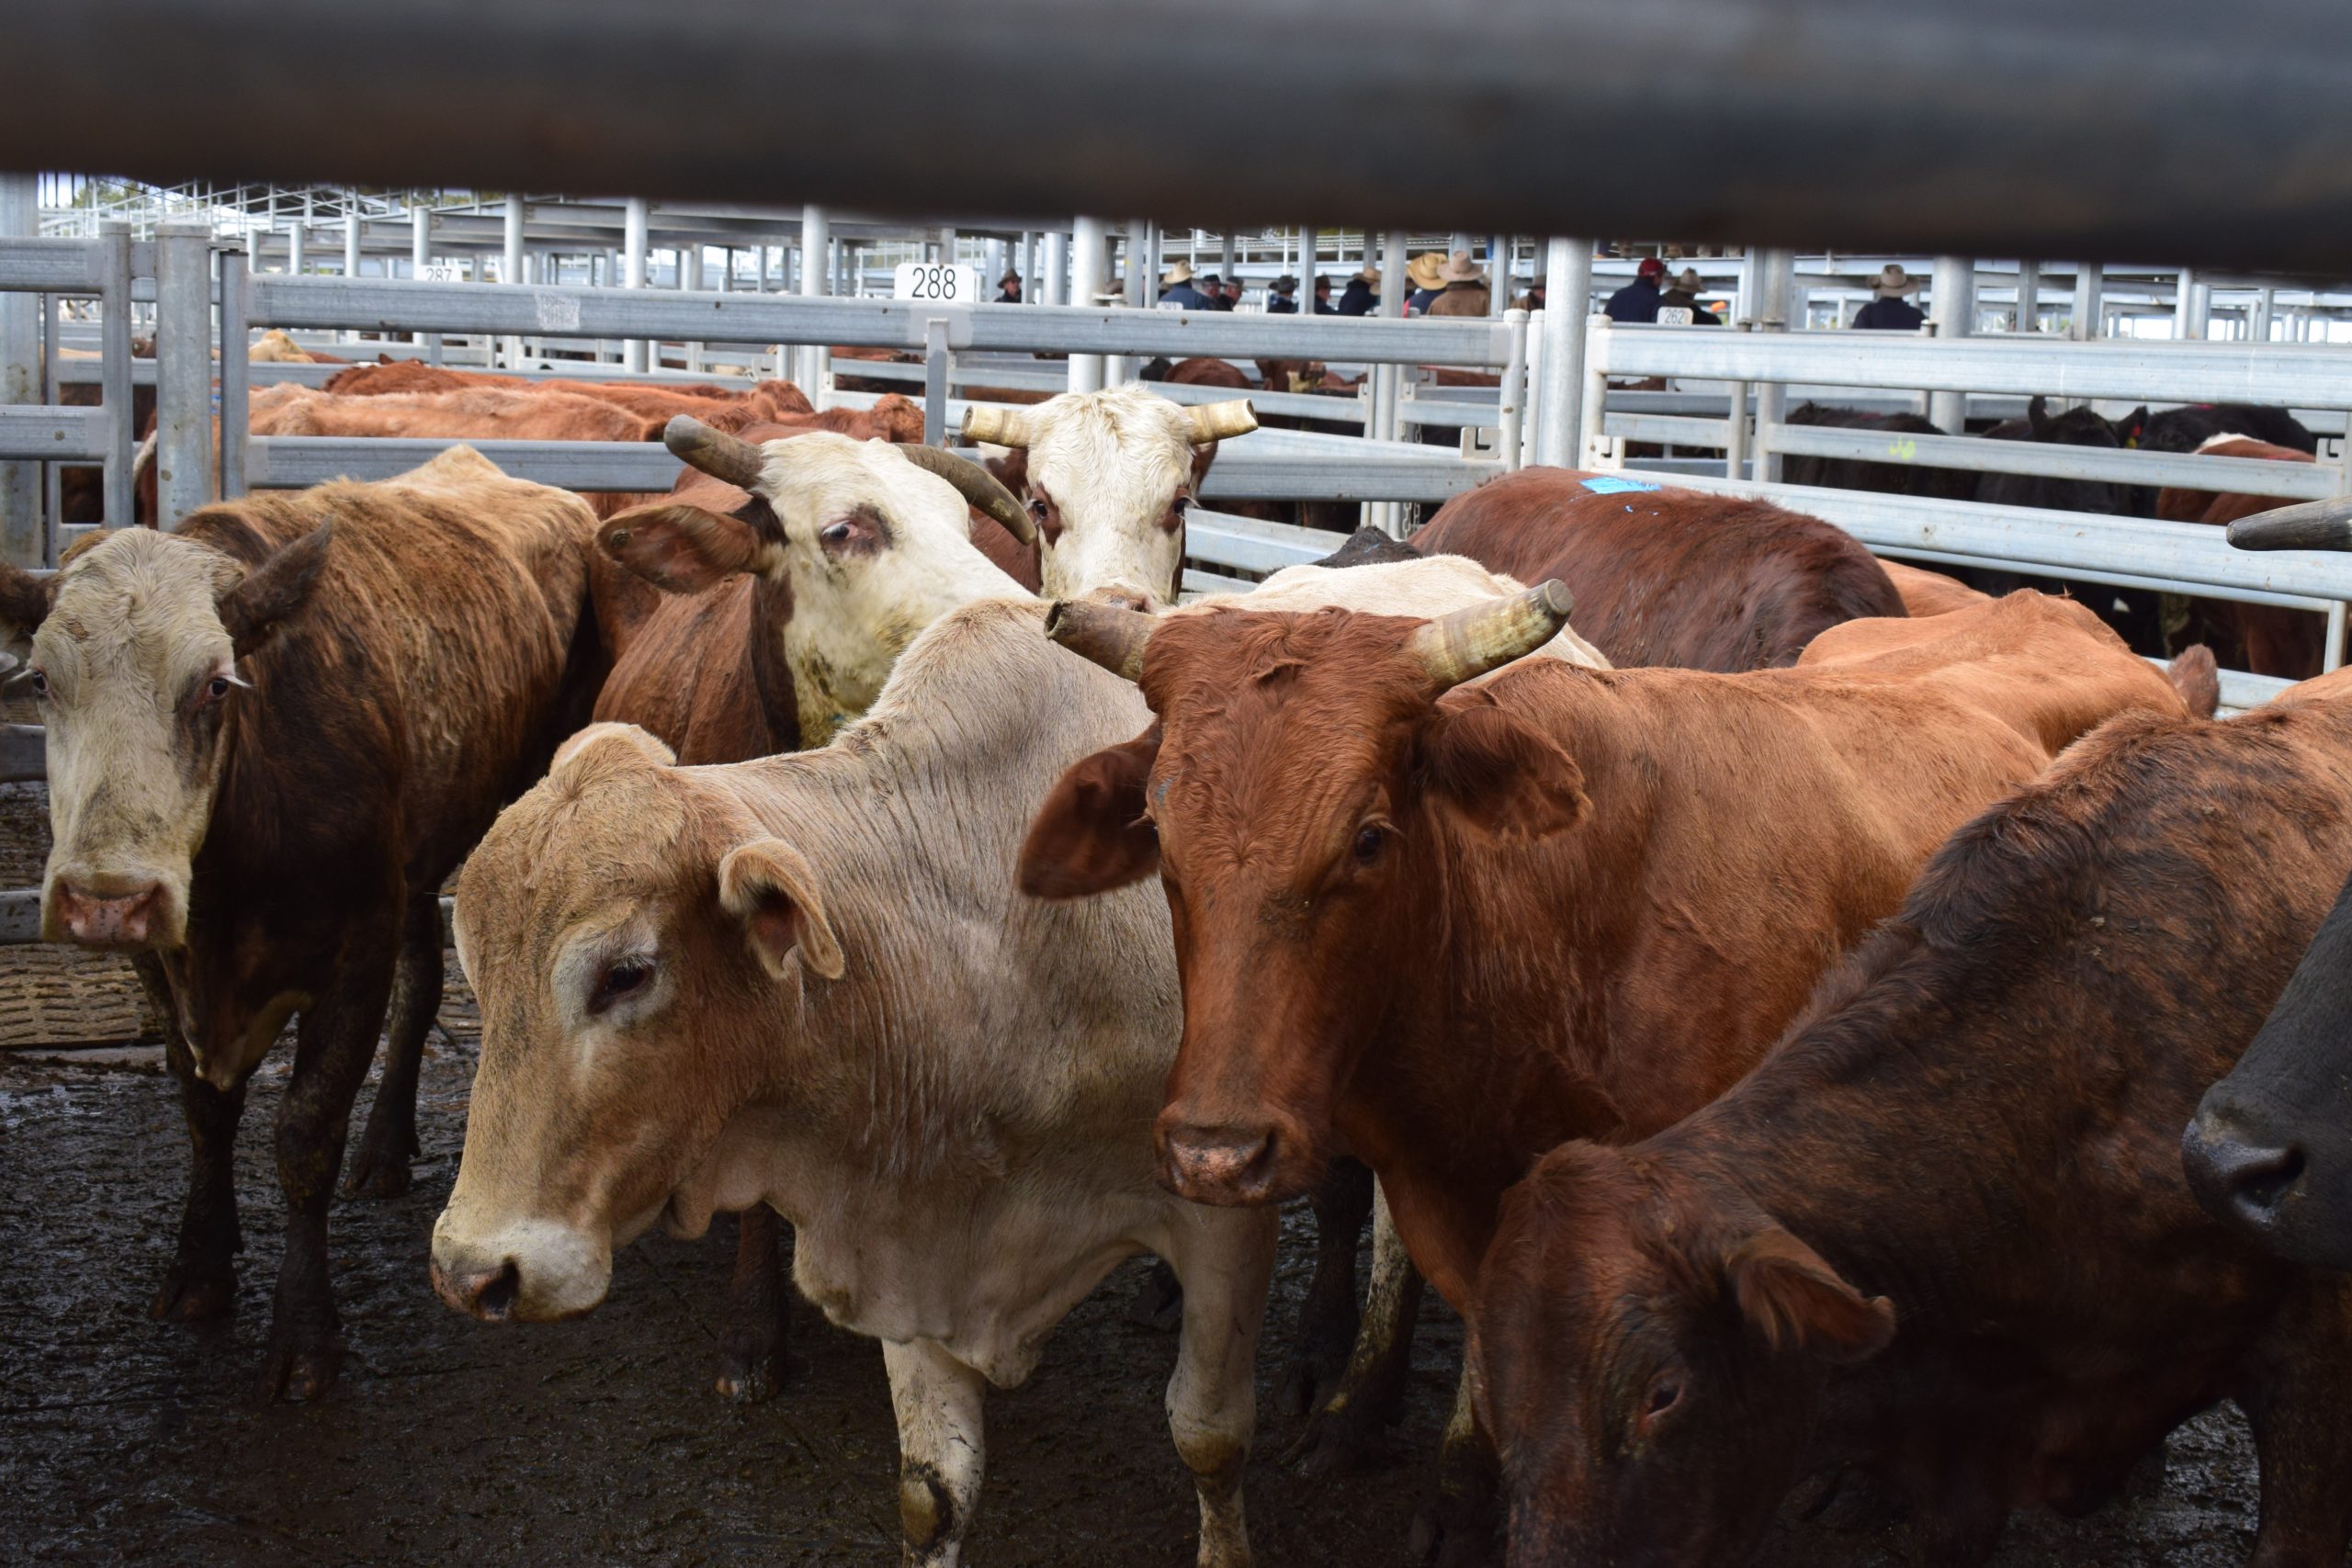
102	268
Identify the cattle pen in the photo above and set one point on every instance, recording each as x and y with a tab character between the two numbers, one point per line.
2136	348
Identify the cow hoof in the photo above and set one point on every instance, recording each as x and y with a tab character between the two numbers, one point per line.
300	1369
1337	1441
1158	1302
1313	1377
191	1293
1451	1533
377	1173
751	1378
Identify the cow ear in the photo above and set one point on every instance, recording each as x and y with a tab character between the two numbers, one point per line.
768	887
680	548
1203	455
253	610
623	738
1798	1301
2133	426
1498	777
24	598
2037	414
1091	836
1011	470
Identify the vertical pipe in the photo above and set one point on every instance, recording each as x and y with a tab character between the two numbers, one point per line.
114	373
1531	425
1056	283
1088	249
2265	301
1592	406
1953	312
690	280
1567	298
420	248
236	374
22	541
2028	297
1388	515
1497	274
1775	277
1233	259
636	219
52	474
816	281
1513	397
1029	268
2184	305
351	244
182	369
297	244
510	268
2090	310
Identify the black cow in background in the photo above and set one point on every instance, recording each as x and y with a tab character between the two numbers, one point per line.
1882	478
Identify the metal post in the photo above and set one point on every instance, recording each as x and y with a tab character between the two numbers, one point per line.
298	241
2028	297
21	541
816	280
1592	406
690	280
182	369
1499	275
1775	277
1953	312
1532	425
114	376
2200	311
1568	295
2265	301
236	374
2090	308
1307	244
510	269
419	252
938	364
636	218
1513	397
1387	515
1090	247
1029	268
2184	305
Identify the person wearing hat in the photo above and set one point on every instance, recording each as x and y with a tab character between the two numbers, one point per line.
1177	293
1008	288
1323	306
1466	292
1426	274
1362	292
1638	300
1890	311
1281	295
1533	298
1231	297
1682	293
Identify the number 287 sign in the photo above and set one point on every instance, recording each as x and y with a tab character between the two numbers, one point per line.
937	282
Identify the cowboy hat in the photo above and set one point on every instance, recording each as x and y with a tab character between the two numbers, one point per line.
1426	270
1285	283
1461	270
1322	284
1689	281
1180	272
1893	280
1369	274
1012	275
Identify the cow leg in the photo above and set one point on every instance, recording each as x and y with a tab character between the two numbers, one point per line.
938	1401
1345	1433
1212	1399
202	1281
2295	1403
333	1044
1327	1319
752	1360
380	1166
1455	1528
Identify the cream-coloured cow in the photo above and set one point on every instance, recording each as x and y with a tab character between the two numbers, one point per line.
809	981
1108	477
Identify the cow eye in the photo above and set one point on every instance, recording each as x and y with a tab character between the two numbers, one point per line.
1665	1394
41	682
833	533
1037	508
1181	505
218	688
1369	840
621	977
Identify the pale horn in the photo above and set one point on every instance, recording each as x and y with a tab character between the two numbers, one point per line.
2314	525
715	452
1214	421
976	485
1111	635
1470	641
997	426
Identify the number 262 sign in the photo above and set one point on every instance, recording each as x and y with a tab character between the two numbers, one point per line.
937	282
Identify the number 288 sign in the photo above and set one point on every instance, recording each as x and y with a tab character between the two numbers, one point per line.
937	282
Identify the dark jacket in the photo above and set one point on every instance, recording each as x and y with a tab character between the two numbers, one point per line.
1184	297
1897	315
1419	301
1699	315
1359	300
1008	296
1324	307
1224	302
1637	301
1278	306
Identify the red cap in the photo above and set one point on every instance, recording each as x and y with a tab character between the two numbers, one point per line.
1651	268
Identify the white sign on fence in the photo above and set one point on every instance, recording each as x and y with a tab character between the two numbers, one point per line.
442	272
940	283
1674	316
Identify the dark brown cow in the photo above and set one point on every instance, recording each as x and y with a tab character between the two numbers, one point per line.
1201	372
1665	576
271	734
1943	1232
2269	639
1448	929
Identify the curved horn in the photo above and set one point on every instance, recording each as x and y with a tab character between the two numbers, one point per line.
976	485
998	427
1214	421
1111	635
715	452
2314	525
1467	643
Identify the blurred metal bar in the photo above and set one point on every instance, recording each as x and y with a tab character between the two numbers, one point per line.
2216	160
183	369
236	376
1952	309
633	241
1567	291
21	538
115	372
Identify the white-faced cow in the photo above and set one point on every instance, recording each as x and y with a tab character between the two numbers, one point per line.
271	734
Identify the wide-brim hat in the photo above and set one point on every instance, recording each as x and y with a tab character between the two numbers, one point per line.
1011	276
1460	268
1893	280
1285	283
1369	274
1180	272
1689	281
1321	283
1426	270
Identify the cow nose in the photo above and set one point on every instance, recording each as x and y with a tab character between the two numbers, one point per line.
1221	1165
486	1293
2245	1181
112	919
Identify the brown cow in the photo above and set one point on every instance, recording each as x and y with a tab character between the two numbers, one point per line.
1943	1232
1450	930
271	734
1929	593
2271	639
1750	582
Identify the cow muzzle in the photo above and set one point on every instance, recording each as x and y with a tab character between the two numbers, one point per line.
125	914
2240	1177
1231	1166
486	1293
529	1272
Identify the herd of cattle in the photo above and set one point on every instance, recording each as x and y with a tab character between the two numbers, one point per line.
1768	986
